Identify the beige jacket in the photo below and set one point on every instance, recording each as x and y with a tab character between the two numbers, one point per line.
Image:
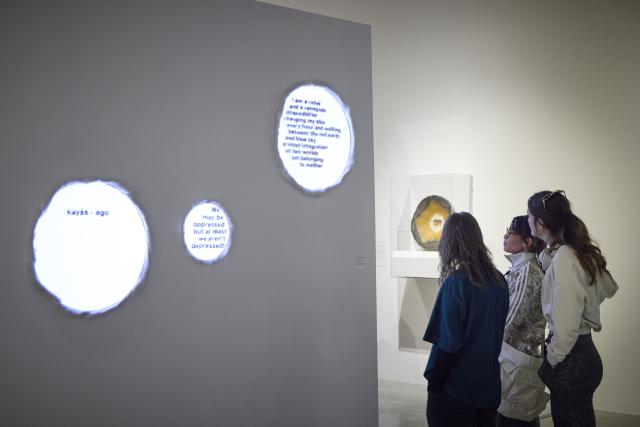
570	305
523	395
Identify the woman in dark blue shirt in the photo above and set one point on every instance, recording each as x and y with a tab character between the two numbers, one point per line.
465	329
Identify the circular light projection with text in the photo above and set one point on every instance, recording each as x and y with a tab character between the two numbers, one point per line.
315	138
207	232
91	246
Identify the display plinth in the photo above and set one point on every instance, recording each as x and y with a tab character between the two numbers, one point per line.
408	258
415	264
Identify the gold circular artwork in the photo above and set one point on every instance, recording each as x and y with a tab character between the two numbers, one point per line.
428	221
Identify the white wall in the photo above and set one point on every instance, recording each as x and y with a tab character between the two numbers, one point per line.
525	96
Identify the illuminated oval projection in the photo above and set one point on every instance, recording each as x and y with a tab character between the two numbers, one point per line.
91	246
315	138
207	232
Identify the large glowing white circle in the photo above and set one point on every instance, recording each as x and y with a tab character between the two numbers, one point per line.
207	232
315	138
91	246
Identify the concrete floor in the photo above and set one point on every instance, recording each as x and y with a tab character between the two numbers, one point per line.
403	405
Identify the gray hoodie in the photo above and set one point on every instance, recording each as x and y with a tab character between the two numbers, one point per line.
570	305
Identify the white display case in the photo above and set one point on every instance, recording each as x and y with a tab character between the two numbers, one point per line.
408	259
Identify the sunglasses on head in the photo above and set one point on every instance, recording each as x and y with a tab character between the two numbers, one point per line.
548	196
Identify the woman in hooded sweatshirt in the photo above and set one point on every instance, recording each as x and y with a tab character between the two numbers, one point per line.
575	283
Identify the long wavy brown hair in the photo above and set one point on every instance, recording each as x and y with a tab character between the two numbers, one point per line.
554	210
462	250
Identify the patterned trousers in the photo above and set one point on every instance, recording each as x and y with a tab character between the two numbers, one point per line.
572	383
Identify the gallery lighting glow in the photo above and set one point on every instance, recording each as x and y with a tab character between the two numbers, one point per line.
207	232
90	246
315	138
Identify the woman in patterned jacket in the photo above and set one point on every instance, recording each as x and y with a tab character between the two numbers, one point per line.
523	395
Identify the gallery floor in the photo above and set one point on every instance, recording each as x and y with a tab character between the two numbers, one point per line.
403	405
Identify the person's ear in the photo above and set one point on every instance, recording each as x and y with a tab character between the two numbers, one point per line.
528	242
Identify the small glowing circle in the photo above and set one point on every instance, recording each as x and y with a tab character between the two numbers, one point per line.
90	246
315	140
207	232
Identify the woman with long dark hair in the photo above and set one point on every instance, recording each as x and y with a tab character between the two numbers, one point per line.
465	329
575	283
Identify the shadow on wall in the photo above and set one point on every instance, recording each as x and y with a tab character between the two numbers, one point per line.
416	296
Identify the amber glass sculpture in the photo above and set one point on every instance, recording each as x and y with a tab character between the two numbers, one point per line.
428	221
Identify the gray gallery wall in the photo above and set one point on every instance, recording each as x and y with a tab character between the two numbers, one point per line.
177	101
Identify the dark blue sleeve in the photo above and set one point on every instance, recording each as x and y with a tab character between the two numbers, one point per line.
441	366
449	316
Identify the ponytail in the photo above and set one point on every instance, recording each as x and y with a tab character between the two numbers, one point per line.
575	233
554	209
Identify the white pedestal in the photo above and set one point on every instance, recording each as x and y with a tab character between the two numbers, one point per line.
415	264
408	259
